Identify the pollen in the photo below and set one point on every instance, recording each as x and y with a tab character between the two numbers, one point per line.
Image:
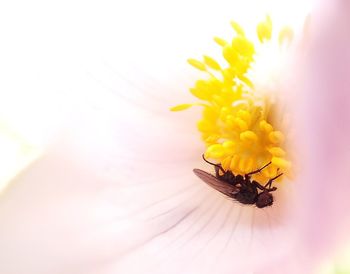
238	124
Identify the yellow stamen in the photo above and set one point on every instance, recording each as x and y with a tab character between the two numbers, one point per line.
281	163
205	126
265	126
181	107
264	30
228	145
215	151
276	137
285	36
237	28
230	54
248	136
277	151
220	41
210	62
243	46
197	64
237	124
234	162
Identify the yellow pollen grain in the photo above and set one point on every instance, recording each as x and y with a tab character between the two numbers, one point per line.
209	114
230	54
240	125
205	126
243	46
270	171
219	100
244	165
230	121
285	36
224	113
277	151
281	163
248	136
220	41
215	151
181	107
234	162
238	29
212	139
228	75
265	126
249	165
246	81
276	137
229	145
210	62
264	30
197	64
244	115
226	163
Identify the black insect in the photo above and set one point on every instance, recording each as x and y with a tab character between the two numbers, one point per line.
238	187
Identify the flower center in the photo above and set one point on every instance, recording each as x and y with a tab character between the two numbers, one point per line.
237	119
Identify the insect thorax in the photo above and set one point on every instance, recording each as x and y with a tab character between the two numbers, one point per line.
228	177
246	195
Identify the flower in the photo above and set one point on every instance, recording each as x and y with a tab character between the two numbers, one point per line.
114	193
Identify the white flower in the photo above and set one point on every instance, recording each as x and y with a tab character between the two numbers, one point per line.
115	192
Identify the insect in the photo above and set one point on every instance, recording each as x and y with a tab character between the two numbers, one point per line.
241	188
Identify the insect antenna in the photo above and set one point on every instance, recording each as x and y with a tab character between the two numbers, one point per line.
217	165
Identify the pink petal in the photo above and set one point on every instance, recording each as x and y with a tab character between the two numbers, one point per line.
327	124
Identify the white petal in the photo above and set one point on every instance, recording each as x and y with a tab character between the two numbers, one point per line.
116	192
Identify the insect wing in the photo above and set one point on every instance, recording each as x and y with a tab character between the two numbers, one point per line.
215	183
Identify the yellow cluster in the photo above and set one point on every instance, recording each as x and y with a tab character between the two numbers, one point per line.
236	123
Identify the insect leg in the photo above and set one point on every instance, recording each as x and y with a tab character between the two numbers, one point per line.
259	186
269	183
258	170
216	165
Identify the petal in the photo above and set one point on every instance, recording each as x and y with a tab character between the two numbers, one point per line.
327	124
116	193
